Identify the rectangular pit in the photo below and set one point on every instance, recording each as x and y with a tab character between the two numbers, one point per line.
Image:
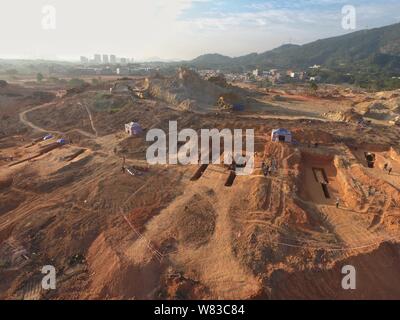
231	179
200	171
321	177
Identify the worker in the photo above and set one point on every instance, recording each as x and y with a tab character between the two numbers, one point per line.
370	191
273	165
337	203
390	171
385	166
123	164
266	170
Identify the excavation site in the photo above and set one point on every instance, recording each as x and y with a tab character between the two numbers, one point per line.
199	158
76	190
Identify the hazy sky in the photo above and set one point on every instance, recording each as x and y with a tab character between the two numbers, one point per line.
176	29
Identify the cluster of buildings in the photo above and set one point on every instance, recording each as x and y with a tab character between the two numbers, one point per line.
275	76
105	59
100	70
281	76
113	70
208	73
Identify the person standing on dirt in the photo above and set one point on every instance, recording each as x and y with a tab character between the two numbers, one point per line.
385	166
123	165
273	165
337	203
371	191
390	171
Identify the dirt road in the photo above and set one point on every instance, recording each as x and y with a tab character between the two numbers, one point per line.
24	120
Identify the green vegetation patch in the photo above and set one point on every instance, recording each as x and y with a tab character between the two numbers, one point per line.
107	102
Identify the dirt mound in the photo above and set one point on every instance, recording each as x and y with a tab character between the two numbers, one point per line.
387	109
63	177
187	85
187	105
346	116
387	95
180	286
219	80
326	284
312	136
113	276
196	221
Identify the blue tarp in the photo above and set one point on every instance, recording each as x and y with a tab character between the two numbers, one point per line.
238	107
281	131
135	128
47	137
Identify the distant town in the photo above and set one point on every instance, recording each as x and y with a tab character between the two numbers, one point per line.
104	65
273	76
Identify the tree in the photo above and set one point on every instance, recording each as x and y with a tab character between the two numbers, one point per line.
39	77
76	83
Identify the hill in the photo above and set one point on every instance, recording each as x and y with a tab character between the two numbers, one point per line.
378	47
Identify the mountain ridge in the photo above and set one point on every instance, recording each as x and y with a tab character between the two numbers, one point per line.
377	46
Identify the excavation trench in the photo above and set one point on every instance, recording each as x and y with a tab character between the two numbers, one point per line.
231	179
200	171
370	157
318	181
45	150
321	177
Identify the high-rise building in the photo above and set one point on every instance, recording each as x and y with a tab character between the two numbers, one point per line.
84	60
123	60
105	58
97	58
113	59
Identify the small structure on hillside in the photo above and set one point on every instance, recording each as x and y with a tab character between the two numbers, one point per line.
133	128
281	135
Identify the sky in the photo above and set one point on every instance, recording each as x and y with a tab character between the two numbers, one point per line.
175	29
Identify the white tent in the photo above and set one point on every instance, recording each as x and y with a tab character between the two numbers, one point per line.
281	135
133	128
